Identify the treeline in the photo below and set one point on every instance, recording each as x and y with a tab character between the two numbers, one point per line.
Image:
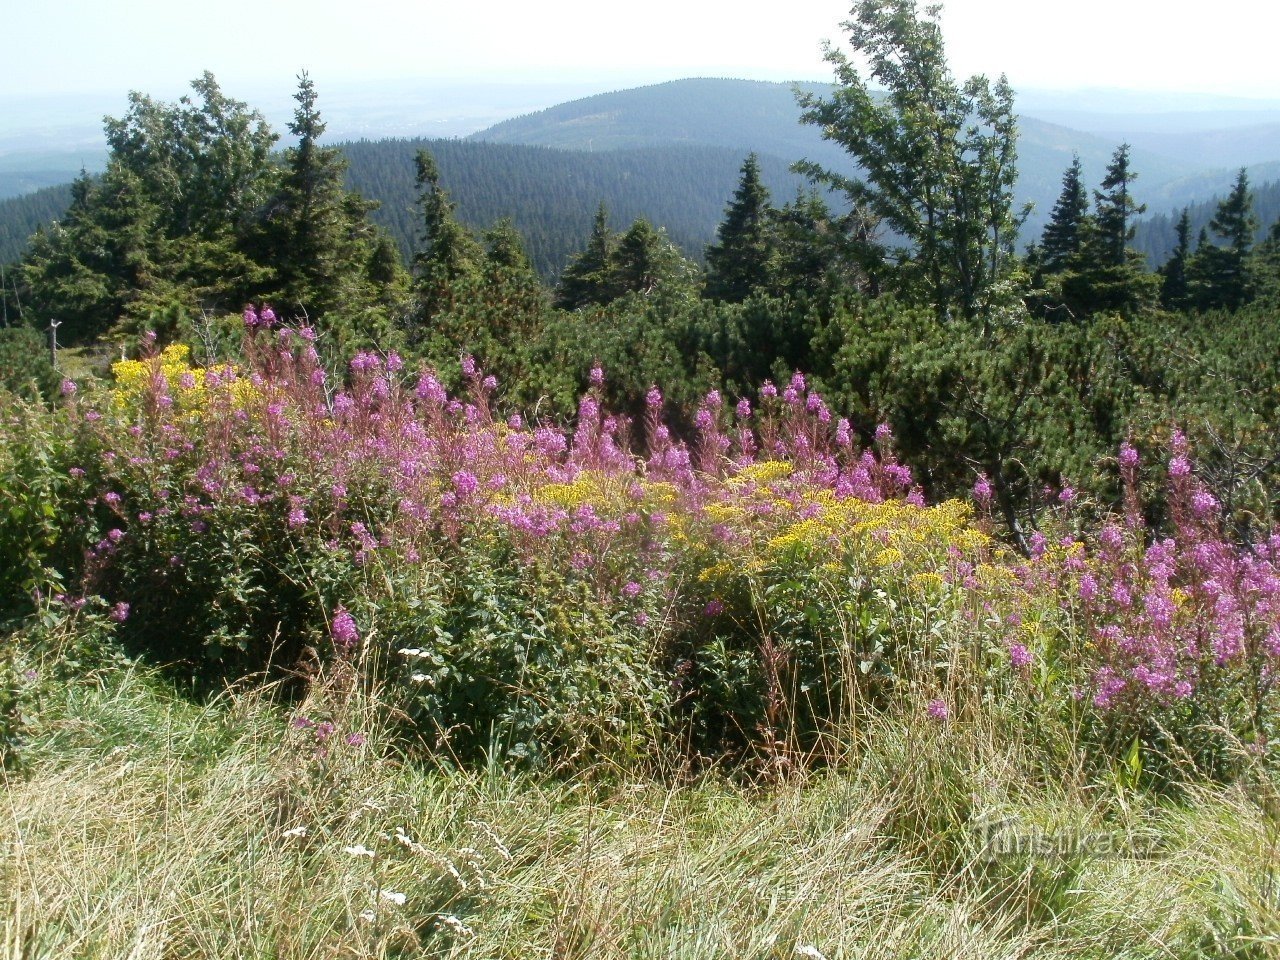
1156	236
195	215
908	304
551	195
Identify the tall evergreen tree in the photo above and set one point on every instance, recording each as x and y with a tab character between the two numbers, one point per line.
1104	274
163	233
1116	210
1174	286
1265	267
645	259
1062	234
742	257
586	279
330	260
448	253
1223	268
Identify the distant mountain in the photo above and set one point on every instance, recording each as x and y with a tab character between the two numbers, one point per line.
1188	161
671	152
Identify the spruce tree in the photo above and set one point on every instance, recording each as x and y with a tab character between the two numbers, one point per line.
318	234
586	278
743	255
1229	283
645	259
1174	286
1104	274
164	232
1116	210
1265	267
1062	234
448	254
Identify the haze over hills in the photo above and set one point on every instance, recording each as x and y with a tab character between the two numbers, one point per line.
671	151
1183	161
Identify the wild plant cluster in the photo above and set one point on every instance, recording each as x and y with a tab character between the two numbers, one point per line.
749	592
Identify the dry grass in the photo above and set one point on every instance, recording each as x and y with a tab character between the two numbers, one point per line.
150	828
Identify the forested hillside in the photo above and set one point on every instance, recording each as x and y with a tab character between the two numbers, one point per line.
1156	235
21	216
551	195
669	152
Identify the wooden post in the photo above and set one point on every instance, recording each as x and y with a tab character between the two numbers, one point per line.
53	341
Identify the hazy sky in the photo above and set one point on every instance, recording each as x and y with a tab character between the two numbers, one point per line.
109	46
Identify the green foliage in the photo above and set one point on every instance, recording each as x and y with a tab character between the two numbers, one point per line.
193	215
326	259
37	452
1062	235
26	369
1086	265
743	255
641	260
938	157
1175	288
1220	276
586	279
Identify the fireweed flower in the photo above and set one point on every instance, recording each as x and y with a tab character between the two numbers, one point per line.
937	709
982	489
343	629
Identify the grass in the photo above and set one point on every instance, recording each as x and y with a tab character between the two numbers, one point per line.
152	827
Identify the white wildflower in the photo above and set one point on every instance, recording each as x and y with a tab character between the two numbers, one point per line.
296	832
408	842
450	922
419	677
368	916
498	845
809	951
409	652
359	850
397	898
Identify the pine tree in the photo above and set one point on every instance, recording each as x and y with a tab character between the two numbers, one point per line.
1227	281
1174	285
1062	234
448	254
586	279
743	255
1116	210
645	259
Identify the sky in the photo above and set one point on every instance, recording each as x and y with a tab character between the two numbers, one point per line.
111	46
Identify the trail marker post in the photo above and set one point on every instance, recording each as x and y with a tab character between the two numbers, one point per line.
53	341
